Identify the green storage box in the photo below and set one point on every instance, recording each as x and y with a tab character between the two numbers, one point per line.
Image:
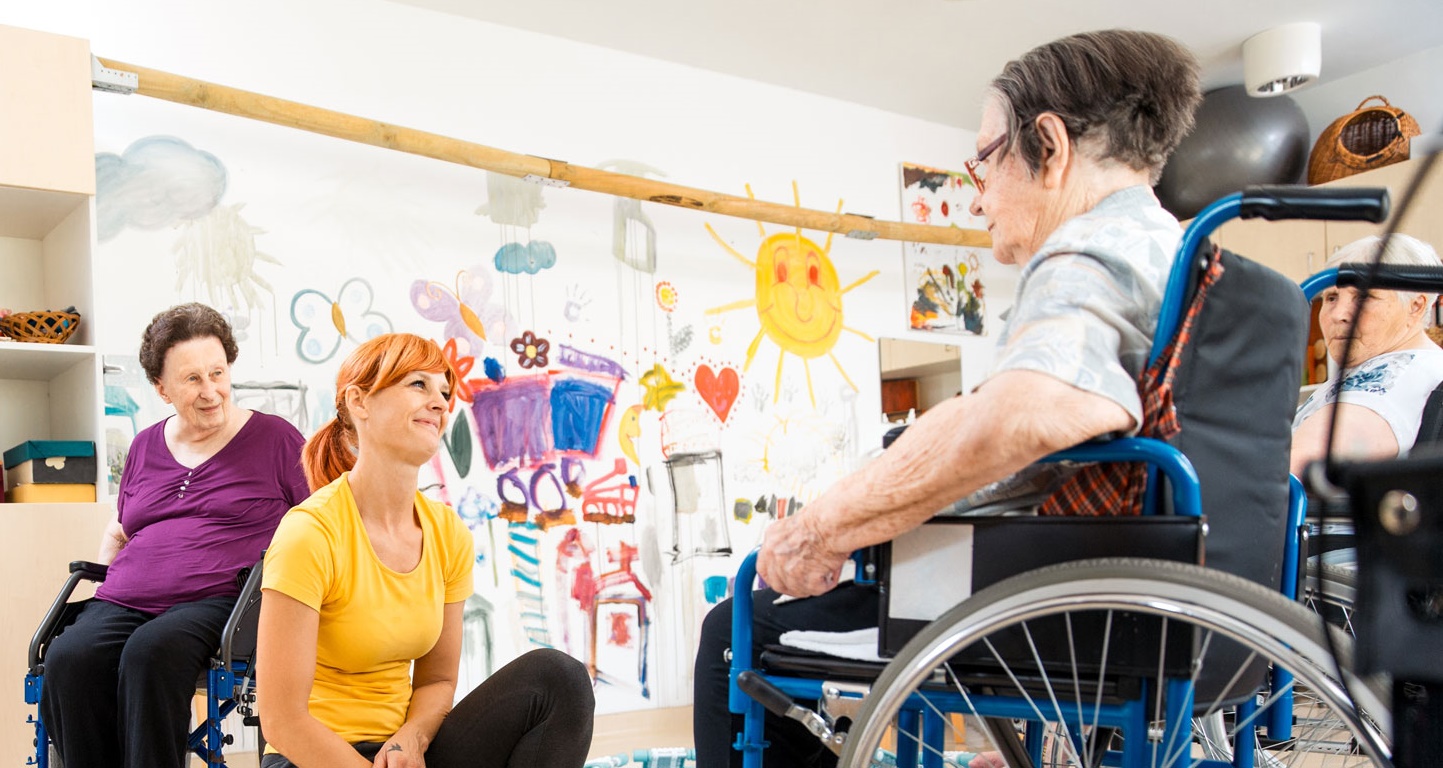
44	449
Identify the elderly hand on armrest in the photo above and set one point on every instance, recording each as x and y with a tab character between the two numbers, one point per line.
1000	429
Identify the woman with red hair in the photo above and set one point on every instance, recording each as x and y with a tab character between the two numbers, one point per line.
360	628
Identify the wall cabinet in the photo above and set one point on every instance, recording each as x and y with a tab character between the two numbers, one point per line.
899	396
47	188
1300	248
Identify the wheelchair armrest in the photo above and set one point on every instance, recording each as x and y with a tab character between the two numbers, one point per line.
80	570
1186	493
90	571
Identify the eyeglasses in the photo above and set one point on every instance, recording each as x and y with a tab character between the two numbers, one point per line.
976	167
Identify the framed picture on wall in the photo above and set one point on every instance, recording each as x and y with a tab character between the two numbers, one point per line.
945	285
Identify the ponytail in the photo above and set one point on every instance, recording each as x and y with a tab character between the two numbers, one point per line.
328	453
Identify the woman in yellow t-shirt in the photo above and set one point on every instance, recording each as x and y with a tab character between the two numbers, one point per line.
367	578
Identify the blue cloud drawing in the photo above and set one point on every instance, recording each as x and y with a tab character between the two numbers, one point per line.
157	182
516	258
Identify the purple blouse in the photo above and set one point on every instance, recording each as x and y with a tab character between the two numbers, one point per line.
192	530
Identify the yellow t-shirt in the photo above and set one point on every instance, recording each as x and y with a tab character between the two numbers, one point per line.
374	621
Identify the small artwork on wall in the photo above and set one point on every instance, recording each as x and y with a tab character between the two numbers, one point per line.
946	285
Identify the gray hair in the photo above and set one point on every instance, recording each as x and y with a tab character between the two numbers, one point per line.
1402	251
1127	96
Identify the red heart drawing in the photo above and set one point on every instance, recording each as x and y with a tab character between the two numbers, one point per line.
719	390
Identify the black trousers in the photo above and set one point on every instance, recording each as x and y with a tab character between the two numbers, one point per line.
119	682
536	712
846	608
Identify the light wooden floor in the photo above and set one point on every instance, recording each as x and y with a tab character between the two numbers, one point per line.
613	735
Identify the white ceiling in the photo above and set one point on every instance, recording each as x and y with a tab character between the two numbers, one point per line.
931	58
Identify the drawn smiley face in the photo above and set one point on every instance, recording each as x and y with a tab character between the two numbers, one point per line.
799	300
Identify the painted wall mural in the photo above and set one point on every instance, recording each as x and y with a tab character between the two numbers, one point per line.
621	429
798	298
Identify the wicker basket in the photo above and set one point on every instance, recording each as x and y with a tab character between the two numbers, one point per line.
1368	137
40	327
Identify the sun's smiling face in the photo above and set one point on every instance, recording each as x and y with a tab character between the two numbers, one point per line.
799	300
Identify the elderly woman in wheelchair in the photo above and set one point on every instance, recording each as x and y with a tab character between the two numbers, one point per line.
1114	661
1393	365
200	496
1072	136
1392	382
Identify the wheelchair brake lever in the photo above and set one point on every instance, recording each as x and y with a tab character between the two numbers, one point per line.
779	703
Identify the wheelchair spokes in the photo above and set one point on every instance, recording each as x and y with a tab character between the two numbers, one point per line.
1117	702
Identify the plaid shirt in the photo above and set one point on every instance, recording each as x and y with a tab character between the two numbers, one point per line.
1116	488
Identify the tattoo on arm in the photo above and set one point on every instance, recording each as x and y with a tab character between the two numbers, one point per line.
394	748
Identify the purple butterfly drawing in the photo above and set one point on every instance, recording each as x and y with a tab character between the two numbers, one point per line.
465	308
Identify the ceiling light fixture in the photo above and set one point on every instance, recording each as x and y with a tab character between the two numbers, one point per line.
1282	59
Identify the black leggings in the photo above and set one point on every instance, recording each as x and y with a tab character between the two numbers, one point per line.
118	682
536	711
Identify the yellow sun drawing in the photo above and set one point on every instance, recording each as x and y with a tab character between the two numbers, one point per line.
798	298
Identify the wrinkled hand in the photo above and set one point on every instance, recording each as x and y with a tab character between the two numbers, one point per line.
401	751
795	559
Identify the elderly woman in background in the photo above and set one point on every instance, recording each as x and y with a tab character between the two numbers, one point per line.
200	496
1073	135
1392	364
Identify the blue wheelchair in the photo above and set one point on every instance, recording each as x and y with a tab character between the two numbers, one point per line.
228	685
1127	649
1329	585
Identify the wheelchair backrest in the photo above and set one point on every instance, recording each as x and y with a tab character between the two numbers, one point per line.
1235	389
238	639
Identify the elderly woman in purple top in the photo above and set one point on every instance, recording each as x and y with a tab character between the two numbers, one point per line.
201	494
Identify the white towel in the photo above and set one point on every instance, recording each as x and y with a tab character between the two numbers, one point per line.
859	644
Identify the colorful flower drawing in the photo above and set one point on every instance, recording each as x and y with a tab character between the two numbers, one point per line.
531	352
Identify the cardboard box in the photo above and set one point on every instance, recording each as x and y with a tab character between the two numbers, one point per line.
49	493
44	449
56	469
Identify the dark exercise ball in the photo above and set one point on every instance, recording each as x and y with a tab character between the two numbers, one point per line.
1239	140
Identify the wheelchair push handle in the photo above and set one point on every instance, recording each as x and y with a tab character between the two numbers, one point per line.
1392	276
1278	202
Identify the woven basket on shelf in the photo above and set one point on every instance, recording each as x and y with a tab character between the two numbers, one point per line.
41	327
1368	137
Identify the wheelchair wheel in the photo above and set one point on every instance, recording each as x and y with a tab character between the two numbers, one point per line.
987	650
1329	591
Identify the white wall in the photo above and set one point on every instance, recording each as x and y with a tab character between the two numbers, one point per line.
327	210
